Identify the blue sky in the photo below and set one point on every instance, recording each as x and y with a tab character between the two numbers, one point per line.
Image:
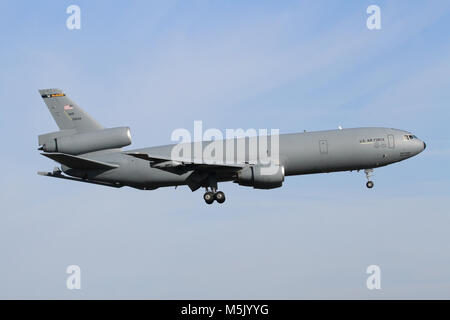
291	65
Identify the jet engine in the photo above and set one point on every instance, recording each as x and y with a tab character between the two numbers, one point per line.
261	177
79	143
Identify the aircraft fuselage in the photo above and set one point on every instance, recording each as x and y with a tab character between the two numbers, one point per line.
299	153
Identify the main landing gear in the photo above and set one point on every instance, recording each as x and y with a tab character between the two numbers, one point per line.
211	193
368	173
210	196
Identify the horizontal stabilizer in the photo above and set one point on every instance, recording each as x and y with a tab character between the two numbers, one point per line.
61	176
75	162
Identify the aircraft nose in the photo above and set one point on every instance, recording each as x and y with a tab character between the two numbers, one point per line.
424	145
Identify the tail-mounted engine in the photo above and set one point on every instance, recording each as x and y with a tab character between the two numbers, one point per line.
70	142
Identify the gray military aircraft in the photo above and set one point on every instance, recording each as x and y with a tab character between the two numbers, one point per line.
90	153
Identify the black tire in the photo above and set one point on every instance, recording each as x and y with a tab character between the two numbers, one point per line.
208	197
220	197
369	184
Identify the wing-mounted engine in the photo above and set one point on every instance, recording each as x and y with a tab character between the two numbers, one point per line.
70	142
261	177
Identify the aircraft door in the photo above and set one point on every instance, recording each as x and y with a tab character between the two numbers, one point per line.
323	146
391	142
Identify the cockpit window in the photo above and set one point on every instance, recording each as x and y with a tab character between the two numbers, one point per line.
409	137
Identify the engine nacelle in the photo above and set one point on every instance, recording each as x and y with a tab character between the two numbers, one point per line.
260	177
79	143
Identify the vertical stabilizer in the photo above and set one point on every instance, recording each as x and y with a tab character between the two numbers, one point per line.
67	114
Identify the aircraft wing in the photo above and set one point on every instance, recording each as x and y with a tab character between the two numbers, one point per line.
200	170
181	165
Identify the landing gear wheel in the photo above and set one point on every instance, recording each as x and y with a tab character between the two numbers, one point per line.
209	197
220	197
369	184
368	173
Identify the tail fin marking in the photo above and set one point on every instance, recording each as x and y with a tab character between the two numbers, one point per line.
67	114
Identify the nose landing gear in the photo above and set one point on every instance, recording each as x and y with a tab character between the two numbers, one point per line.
368	173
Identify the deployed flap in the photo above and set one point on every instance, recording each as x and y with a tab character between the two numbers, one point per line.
75	162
